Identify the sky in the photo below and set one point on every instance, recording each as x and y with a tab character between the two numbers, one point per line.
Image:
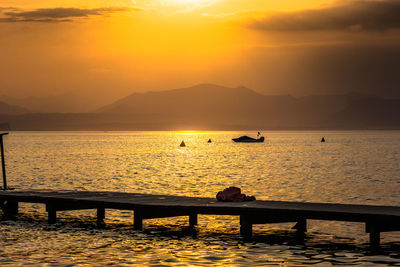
105	49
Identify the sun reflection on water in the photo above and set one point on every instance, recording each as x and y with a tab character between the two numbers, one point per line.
351	167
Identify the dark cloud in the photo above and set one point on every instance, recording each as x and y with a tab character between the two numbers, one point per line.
325	69
369	15
55	14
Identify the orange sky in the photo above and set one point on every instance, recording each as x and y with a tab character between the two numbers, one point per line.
109	49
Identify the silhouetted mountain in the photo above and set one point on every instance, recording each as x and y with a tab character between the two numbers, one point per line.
195	98
212	107
9	109
55	103
366	111
206	103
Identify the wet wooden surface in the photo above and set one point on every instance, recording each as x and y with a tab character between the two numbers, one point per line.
132	201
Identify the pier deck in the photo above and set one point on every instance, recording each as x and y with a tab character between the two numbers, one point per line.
376	218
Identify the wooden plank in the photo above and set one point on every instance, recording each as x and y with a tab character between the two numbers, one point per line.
137	200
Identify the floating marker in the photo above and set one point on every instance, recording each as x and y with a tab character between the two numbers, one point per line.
183	144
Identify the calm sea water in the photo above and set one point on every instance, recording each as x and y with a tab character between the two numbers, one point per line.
361	167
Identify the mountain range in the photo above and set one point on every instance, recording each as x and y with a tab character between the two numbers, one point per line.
64	103
213	107
5	108
208	104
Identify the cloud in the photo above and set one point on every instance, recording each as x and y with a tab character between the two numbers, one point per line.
357	15
58	14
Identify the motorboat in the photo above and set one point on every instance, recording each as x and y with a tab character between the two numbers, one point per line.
247	139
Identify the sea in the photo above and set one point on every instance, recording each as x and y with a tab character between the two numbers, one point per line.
355	167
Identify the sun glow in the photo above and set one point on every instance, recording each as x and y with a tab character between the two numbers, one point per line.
191	132
187	3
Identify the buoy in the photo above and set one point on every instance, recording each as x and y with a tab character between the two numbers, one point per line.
209	141
183	144
323	139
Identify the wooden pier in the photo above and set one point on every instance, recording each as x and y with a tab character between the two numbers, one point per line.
377	219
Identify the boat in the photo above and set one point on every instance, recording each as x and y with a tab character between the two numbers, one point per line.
247	139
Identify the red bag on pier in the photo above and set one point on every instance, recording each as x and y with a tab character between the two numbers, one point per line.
233	194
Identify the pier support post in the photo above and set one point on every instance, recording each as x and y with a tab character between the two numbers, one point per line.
10	209
137	221
193	219
246	227
374	239
3	164
101	214
374	236
301	225
51	214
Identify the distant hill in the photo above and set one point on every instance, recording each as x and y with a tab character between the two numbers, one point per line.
213	107
208	104
10	109
366	112
65	103
205	102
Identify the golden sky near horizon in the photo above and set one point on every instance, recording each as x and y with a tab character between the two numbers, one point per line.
217	5
112	48
159	26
